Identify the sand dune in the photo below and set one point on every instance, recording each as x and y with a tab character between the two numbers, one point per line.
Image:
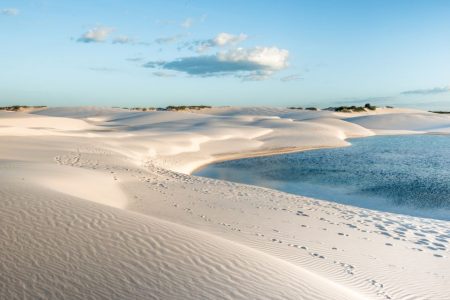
427	122
24	120
60	247
99	203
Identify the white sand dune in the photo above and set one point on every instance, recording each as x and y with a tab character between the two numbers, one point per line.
60	247
427	122
98	203
24	120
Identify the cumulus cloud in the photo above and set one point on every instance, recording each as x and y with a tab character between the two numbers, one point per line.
9	11
433	91
221	40
256	63
269	58
96	35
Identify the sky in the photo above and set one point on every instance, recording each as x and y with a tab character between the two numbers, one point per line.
151	53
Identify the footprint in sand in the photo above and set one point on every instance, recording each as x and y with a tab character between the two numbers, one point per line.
316	255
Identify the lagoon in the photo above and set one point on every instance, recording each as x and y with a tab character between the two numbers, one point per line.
407	174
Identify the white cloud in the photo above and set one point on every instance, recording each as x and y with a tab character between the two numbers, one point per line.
223	39
256	63
9	11
123	39
270	58
96	35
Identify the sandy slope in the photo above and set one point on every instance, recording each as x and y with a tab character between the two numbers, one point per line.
93	205
427	122
61	247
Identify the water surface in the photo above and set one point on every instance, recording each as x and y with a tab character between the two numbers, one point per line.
403	174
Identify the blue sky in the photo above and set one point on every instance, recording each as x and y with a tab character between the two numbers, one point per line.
280	53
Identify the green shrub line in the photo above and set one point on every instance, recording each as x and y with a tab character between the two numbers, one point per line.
346	109
20	107
440	112
168	108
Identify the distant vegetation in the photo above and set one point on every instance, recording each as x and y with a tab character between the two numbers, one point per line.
137	108
353	108
184	107
143	108
370	107
346	109
301	108
440	112
20	107
169	108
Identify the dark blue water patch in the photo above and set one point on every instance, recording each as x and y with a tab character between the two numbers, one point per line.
403	174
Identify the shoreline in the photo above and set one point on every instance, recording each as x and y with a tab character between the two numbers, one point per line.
288	150
262	153
281	151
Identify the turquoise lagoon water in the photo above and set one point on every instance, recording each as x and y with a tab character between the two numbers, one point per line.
402	174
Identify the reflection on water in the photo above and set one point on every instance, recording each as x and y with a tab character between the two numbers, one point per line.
405	174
